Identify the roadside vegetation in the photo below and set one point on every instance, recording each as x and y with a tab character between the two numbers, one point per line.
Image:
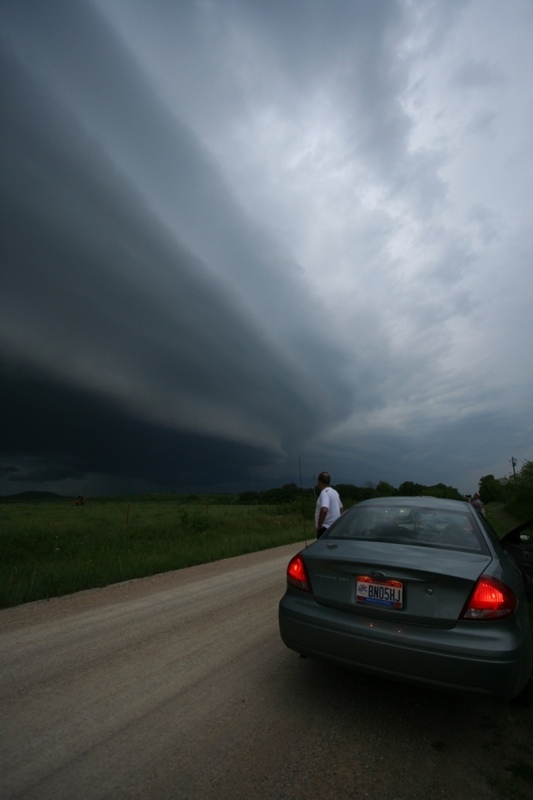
500	518
54	546
515	493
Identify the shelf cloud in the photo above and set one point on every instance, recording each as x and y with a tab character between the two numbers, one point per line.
242	237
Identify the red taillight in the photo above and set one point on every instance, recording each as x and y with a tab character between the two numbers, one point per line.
297	574
490	599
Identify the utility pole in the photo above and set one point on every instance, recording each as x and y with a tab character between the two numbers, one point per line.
513	464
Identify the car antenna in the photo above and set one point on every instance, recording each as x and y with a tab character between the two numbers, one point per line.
302	496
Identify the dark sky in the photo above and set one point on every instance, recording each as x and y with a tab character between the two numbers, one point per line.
239	237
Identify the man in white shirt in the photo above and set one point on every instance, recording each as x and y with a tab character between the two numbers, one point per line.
328	506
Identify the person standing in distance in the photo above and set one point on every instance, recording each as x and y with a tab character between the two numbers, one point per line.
328	506
477	503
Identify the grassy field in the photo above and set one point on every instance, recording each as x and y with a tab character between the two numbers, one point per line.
501	521
52	548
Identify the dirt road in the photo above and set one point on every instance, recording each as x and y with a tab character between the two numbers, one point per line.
178	687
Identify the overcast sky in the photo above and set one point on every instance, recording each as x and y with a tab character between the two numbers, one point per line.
244	236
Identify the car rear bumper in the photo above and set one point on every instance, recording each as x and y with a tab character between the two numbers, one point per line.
485	658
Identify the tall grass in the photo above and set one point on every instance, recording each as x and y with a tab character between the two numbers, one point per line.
500	518
53	548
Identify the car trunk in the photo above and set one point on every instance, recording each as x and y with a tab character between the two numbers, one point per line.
409	583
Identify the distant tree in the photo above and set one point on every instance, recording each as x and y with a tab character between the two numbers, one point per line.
248	498
368	491
283	494
409	489
490	489
384	489
193	498
350	492
520	492
441	490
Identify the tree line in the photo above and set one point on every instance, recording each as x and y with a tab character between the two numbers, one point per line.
516	491
350	493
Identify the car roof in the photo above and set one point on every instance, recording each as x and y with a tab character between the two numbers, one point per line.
426	501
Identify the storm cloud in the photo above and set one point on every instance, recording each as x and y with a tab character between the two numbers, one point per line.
242	236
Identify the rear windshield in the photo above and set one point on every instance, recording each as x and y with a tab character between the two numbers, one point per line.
407	525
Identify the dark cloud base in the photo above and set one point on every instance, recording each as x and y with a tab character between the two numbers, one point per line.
55	432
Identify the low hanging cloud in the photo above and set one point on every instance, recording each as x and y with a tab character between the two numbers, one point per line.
103	295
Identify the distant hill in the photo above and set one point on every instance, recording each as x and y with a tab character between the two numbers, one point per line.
22	497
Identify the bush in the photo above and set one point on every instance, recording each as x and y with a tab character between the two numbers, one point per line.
519	491
491	490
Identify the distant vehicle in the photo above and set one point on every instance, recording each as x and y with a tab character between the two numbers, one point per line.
420	590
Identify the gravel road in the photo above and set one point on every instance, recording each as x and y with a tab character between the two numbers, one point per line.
178	687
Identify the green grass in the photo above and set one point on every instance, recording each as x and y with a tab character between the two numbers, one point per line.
53	548
500	519
50	548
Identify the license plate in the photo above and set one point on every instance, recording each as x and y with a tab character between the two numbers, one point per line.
384	593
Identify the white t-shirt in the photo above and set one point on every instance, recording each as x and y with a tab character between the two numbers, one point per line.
328	498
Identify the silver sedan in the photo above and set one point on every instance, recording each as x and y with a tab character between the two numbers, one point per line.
414	589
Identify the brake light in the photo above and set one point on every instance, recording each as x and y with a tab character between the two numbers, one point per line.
490	599
297	574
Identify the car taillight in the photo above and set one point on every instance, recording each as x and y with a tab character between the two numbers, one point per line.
297	574
490	599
